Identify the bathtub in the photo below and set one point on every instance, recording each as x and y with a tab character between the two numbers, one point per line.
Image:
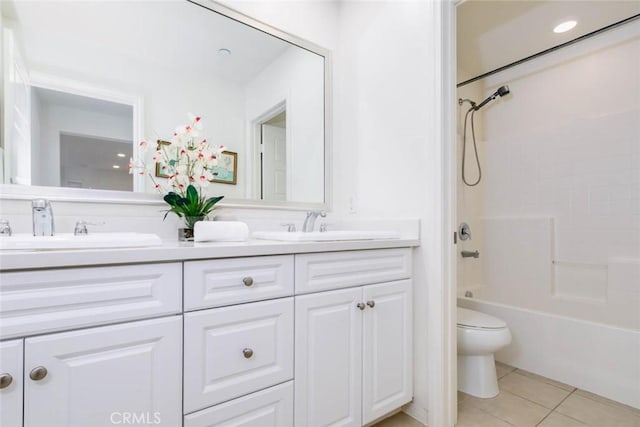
592	356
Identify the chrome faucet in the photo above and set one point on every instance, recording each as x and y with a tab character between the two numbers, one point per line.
5	228
42	218
310	220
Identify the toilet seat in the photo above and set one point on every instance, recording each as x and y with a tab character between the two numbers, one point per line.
471	319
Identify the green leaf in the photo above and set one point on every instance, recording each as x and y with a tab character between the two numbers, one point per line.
209	204
172	198
192	195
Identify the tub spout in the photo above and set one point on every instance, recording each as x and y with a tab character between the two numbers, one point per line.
469	254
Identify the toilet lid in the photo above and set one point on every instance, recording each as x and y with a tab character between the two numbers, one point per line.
475	319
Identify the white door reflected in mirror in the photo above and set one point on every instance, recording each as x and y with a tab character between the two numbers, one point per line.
273	162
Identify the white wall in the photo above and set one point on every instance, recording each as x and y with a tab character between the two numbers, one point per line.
296	77
561	193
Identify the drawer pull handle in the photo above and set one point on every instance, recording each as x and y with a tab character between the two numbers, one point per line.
371	303
5	380
247	352
38	373
248	281
361	306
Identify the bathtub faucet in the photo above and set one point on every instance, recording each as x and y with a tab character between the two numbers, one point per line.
469	254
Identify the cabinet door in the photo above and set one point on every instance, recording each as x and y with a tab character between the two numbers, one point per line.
11	383
387	349
328	359
121	374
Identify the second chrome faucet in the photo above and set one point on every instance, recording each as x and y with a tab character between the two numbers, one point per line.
310	220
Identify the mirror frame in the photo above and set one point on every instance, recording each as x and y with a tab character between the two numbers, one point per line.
23	192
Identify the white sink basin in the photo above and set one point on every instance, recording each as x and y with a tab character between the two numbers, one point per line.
69	241
324	236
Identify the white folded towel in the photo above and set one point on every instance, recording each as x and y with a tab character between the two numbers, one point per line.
220	231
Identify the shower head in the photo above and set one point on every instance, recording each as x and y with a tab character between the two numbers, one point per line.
502	91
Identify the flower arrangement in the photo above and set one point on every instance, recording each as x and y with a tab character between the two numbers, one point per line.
188	162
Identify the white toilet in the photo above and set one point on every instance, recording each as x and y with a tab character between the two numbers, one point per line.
479	336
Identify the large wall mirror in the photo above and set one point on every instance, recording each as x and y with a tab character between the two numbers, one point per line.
84	82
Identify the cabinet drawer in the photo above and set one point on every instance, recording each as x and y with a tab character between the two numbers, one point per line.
232	351
50	300
321	271
272	407
222	282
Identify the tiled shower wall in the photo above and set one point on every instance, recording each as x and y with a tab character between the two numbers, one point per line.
561	158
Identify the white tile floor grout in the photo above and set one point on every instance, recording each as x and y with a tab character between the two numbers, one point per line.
529	400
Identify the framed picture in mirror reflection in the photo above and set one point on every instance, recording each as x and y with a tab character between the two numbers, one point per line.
226	172
159	172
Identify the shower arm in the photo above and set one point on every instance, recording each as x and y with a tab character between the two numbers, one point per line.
462	101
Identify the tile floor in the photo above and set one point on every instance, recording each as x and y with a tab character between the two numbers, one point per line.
529	400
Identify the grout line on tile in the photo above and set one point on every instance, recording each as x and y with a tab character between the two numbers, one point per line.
556	407
533	401
490	414
546	380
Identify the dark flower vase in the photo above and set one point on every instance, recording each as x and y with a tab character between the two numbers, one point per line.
185	234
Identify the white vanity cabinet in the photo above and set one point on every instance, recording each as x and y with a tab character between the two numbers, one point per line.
353	346
312	339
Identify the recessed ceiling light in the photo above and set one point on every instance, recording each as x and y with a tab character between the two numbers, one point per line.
116	166
564	26
224	52
121	155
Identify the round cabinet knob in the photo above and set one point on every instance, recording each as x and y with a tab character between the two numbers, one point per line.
371	303
5	380
38	373
361	306
248	281
247	352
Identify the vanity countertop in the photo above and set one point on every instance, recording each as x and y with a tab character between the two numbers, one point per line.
183	251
